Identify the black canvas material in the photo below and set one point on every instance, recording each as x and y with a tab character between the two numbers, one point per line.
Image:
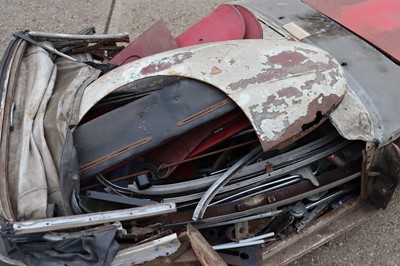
154	116
94	247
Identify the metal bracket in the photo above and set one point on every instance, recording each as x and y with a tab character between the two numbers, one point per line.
308	174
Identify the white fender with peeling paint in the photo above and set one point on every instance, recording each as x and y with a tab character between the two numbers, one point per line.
279	85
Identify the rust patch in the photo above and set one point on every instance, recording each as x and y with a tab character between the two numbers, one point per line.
203	112
316	114
296	101
215	70
334	74
331	63
272	115
166	63
263	77
287	59
290	92
317	80
317	111
284	64
264	113
115	153
296	62
273	100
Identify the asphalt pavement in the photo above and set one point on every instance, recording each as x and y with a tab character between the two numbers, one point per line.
377	242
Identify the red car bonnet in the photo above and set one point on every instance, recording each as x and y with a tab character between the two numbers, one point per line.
377	21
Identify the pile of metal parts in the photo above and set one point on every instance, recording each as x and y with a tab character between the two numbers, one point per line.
157	165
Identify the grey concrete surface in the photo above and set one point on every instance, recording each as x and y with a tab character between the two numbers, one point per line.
135	16
51	16
376	242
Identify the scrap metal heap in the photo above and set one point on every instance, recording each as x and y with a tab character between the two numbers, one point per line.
215	145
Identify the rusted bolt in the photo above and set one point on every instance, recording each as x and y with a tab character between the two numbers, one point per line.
269	167
271	199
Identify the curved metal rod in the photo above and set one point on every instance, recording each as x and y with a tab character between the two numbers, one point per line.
107	183
214	189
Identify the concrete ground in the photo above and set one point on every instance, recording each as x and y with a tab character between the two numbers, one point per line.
374	243
51	16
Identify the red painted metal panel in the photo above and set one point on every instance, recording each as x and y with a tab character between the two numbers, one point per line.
155	40
230	129
224	23
377	21
253	28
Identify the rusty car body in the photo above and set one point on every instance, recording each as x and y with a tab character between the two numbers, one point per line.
260	133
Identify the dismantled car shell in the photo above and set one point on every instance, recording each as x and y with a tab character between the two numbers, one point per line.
290	88
250	138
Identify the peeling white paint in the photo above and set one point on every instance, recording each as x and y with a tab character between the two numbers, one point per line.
352	120
249	81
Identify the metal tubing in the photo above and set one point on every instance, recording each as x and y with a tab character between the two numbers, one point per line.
325	199
244	219
237	245
255	188
267	235
215	188
271	188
